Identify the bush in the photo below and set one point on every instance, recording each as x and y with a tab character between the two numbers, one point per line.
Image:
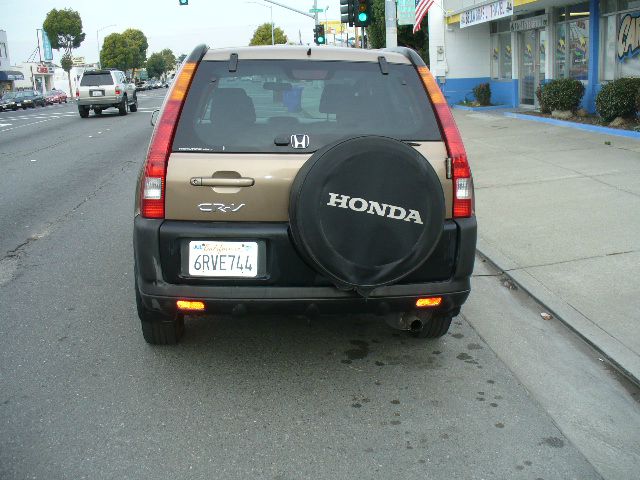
482	93
618	99
561	94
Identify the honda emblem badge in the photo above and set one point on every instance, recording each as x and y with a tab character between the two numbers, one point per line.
300	141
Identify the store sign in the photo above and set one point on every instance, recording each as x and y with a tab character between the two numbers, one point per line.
486	13
629	36
541	21
44	69
406	12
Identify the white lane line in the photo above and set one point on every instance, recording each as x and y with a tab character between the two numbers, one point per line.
22	126
5	124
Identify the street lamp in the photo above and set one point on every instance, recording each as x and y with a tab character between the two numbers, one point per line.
98	40
270	7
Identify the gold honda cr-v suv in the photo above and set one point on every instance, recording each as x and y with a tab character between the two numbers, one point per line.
304	180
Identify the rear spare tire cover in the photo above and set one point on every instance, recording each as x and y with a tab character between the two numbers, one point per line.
366	211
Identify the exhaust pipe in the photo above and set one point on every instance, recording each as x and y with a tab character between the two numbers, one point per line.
408	321
416	325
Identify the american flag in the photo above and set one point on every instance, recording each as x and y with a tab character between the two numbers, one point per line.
422	7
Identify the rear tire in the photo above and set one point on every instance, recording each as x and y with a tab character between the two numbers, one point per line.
159	329
134	106
97	111
84	111
122	108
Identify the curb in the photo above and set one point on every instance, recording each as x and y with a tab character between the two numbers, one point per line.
620	356
578	126
480	109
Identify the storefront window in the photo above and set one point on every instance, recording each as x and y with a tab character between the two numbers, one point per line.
620	52
561	51
572	42
627	5
578	49
609	48
501	54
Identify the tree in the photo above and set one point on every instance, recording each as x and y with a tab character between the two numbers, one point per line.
169	59
156	65
64	29
137	44
262	35
115	52
406	38
181	58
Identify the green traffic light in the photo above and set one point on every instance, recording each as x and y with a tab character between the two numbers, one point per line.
362	17
320	39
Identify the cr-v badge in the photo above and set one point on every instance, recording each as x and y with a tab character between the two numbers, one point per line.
300	141
220	207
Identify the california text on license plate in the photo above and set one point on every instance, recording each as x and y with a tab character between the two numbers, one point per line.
223	259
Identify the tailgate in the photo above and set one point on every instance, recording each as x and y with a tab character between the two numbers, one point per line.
267	179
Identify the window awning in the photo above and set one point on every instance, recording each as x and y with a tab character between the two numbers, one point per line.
10	75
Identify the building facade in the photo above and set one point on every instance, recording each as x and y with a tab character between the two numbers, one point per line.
515	45
8	75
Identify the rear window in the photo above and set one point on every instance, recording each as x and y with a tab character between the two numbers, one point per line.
94	80
266	102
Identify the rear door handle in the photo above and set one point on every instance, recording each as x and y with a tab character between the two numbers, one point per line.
221	182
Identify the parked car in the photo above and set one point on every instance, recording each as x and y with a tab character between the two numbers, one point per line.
62	96
29	99
8	101
360	202
102	89
55	96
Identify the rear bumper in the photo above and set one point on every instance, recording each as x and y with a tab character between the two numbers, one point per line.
99	101
157	249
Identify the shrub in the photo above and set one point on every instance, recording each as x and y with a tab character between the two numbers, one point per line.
482	93
560	94
618	99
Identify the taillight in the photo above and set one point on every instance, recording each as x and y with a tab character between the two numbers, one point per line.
461	172
77	92
152	189
118	91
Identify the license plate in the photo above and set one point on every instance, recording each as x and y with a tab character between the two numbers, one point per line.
223	259
18	104
96	93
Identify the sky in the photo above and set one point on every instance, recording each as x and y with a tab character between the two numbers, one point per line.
218	23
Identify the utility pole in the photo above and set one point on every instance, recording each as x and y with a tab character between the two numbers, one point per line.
391	23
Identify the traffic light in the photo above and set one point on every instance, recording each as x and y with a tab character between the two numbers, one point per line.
184	2
363	13
346	11
318	35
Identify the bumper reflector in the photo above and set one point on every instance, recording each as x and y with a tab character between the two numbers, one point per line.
428	302
190	305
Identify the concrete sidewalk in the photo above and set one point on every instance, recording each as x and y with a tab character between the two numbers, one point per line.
559	212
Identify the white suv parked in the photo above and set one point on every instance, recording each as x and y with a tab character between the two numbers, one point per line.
101	89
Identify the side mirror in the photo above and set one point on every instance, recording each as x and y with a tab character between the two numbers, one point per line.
154	116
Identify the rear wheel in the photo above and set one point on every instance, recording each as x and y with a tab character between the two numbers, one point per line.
122	108
134	106
97	111
84	111
159	329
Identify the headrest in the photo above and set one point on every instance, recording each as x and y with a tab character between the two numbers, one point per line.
336	97
232	105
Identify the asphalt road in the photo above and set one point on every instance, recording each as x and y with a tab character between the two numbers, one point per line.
506	395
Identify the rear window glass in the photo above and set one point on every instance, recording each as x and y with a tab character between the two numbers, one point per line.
266	102
94	80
